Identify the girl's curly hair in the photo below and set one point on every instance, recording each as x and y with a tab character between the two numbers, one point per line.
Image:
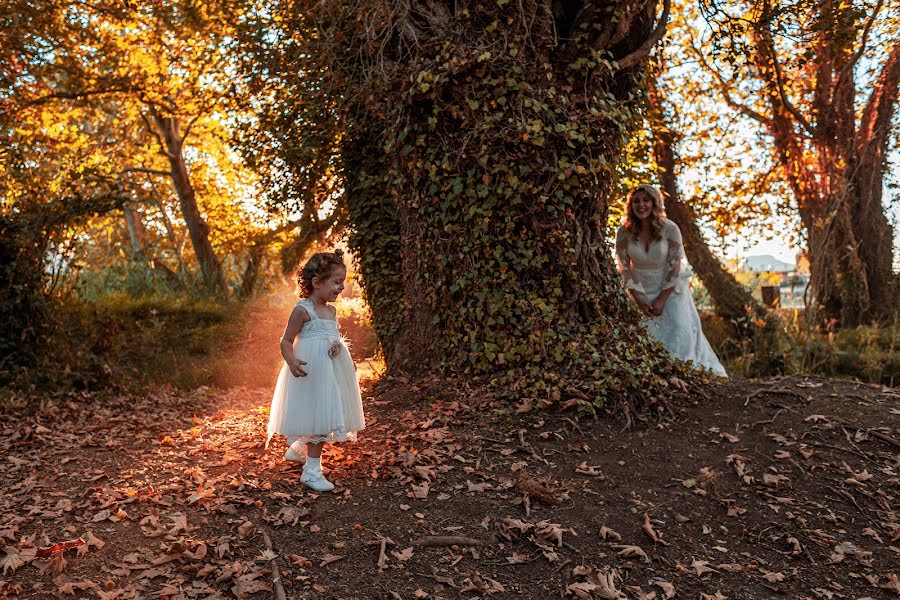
320	265
657	217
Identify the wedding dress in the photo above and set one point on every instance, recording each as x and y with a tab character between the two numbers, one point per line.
653	269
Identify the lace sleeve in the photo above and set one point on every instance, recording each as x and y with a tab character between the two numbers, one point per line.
624	261
678	271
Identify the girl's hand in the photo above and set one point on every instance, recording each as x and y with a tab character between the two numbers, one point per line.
334	350
296	367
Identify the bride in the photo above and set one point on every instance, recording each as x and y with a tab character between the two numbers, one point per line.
651	258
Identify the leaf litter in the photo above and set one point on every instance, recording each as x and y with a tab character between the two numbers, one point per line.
169	494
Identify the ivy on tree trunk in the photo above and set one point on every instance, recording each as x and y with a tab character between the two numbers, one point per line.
499	125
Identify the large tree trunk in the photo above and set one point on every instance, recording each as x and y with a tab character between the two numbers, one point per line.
170	129
374	231
501	164
834	168
874	231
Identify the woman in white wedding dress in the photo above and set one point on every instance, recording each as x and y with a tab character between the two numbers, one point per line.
651	258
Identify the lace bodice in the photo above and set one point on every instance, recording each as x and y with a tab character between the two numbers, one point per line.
317	326
660	266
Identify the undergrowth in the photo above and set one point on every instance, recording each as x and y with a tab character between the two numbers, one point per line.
869	353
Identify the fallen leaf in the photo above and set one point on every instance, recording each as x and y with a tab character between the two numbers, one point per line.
629	551
667	588
330	558
701	567
651	533
607	533
403	555
586	469
772	576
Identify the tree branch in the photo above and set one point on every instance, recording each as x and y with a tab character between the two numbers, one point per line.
875	124
146	170
864	39
764	42
643	51
726	94
76	95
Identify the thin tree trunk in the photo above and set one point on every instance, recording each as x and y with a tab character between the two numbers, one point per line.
137	235
169	127
136	232
733	302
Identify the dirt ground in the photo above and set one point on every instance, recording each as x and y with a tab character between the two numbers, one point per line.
778	488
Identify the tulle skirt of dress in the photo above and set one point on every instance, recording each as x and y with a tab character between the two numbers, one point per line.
678	329
323	406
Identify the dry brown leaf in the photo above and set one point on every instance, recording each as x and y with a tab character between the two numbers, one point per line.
701	567
772	576
419	492
478	487
651	533
330	558
629	551
667	588
585	469
607	533
403	555
17	556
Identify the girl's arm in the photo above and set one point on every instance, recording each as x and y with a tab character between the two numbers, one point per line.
295	322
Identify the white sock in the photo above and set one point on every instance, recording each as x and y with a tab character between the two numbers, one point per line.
314	463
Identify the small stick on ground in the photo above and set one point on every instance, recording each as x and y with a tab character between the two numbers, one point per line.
382	556
276	573
446	540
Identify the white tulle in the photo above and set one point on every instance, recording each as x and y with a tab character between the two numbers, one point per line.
657	268
325	405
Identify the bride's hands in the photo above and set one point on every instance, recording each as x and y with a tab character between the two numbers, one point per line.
646	308
656	309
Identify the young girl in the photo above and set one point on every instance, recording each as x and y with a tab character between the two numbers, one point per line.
316	398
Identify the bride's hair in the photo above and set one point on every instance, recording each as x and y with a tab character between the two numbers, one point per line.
320	265
657	217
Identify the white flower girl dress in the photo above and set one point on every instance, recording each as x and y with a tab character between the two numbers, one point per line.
325	405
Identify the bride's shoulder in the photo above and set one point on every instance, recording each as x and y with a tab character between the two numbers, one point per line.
670	228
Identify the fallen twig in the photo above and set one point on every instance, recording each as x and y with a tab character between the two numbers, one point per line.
382	556
276	573
446	540
872	432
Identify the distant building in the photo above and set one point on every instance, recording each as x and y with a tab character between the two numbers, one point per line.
766	263
789	280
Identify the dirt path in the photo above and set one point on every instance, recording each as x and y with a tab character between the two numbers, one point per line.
782	488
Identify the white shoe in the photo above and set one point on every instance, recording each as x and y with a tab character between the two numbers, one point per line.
293	455
315	480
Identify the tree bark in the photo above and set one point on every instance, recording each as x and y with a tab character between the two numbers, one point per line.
170	129
874	231
136	231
